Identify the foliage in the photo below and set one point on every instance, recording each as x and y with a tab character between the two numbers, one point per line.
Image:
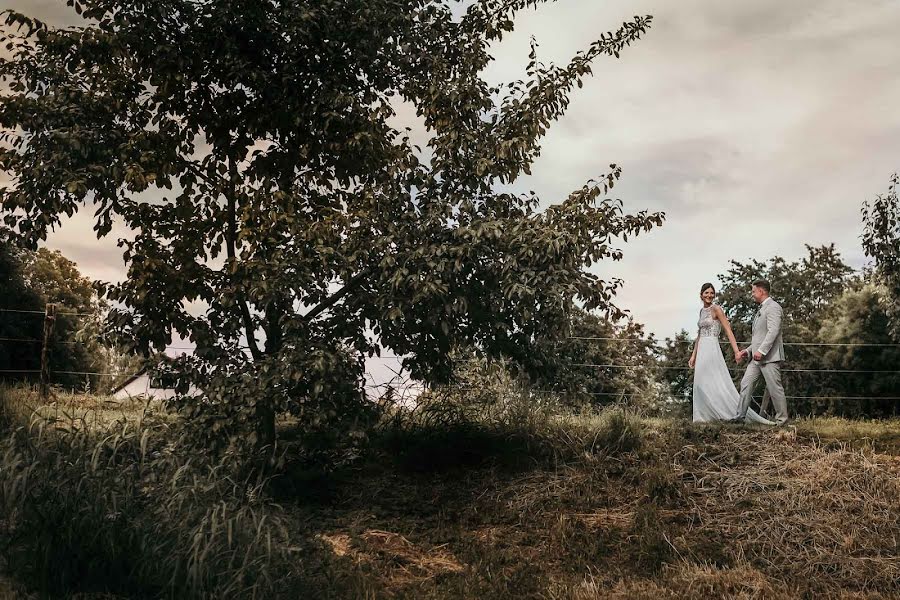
252	150
57	279
77	344
35	279
881	241
579	365
673	360
491	415
118	511
14	356
804	288
858	316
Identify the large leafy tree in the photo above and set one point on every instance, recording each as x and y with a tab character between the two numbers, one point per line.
857	327
252	149
17	357
881	241
78	342
804	288
31	280
57	279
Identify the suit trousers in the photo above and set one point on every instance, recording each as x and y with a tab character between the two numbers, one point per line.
771	372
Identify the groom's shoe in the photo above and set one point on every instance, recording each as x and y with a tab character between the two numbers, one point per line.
736	421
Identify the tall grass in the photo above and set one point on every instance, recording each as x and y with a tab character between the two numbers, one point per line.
122	510
512	495
503	421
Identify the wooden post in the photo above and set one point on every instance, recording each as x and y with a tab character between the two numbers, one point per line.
49	322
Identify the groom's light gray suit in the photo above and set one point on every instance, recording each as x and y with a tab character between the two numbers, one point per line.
767	341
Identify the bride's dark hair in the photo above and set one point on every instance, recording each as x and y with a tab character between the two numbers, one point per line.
707	286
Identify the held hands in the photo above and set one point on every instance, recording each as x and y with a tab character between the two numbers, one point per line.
739	356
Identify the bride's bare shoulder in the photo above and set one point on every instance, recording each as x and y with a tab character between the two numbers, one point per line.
718	311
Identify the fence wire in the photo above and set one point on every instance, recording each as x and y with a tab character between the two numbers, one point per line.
386	357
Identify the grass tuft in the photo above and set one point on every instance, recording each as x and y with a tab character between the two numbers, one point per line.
121	510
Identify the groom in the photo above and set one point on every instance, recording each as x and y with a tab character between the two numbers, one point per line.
767	350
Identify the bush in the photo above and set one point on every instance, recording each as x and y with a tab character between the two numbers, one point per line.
489	414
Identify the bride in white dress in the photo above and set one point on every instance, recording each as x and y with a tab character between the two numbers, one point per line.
715	397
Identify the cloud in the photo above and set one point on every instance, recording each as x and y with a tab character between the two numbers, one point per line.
52	12
758	127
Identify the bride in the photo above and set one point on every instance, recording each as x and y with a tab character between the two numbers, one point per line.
715	397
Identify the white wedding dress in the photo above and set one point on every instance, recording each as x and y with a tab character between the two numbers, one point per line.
715	397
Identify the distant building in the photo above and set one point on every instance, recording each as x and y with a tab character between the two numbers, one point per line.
143	385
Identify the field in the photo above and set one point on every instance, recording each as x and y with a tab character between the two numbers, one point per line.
524	504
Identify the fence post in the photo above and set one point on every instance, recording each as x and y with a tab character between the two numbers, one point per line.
49	322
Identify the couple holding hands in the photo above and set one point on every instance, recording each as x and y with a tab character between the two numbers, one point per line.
715	397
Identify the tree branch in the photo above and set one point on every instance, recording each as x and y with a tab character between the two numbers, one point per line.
333	299
211	182
274	313
230	235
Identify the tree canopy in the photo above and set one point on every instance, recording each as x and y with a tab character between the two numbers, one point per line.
31	280
15	357
252	150
881	241
804	288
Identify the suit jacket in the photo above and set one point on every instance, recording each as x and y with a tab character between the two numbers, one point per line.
767	338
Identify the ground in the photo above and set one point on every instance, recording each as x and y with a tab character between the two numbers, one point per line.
608	506
706	511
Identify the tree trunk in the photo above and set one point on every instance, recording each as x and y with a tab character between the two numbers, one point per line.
265	427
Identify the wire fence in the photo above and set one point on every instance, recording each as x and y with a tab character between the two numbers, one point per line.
41	347
724	342
391	357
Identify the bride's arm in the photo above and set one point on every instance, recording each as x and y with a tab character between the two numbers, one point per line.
720	314
693	360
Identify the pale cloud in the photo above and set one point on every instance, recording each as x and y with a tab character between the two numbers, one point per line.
757	126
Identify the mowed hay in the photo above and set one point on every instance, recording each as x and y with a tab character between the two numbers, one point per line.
722	512
828	519
687	580
397	560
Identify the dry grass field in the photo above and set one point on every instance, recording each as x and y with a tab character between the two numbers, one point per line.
576	507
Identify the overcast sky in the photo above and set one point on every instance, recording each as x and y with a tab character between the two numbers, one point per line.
758	127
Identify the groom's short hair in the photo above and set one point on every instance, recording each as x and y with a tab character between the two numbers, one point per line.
764	284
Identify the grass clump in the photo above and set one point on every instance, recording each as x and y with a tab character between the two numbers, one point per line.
650	545
121	511
501	422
